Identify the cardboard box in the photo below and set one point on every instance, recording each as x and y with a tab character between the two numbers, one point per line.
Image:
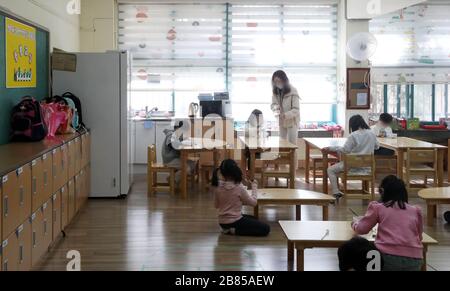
63	61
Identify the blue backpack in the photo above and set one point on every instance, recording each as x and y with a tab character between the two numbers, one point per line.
75	120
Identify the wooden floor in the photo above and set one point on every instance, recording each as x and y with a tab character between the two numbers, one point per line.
169	233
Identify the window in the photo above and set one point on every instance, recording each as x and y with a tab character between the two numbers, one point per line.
411	66
173	47
180	51
298	39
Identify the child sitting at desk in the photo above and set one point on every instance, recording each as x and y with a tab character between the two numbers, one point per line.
361	141
399	235
383	129
230	196
171	154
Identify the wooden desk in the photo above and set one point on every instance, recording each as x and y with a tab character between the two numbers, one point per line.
293	197
303	235
401	144
273	144
198	145
434	197
321	143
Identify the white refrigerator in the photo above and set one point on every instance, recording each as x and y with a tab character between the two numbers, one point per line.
102	82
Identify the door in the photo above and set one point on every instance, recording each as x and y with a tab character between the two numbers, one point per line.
65	206
24	186
71	159
37	184
47	168
9	254
41	236
78	191
77	155
56	217
23	245
64	165
71	209
56	169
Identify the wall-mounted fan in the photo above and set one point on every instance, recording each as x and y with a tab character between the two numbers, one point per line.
362	46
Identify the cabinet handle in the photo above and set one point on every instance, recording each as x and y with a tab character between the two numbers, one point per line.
34	239
5	207
45	178
34	185
21	253
54	171
21	196
45	226
5	266
62	164
54	216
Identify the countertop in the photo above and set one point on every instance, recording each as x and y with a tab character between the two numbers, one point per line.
15	155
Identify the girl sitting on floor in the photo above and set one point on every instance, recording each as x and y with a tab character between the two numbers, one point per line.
230	196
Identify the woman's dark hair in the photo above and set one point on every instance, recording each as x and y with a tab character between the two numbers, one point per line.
230	170
283	77
393	190
386	118
357	122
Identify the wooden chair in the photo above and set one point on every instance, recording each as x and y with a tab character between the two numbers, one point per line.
277	168
153	168
420	163
206	165
385	164
317	162
359	168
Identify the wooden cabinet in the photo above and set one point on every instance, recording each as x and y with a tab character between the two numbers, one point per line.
65	206
16	199
71	209
39	199
16	252
56	217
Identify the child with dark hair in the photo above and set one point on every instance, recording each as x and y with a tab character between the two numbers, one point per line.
361	141
353	255
383	129
230	196
399	235
447	216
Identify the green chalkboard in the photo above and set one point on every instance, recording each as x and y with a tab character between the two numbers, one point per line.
10	97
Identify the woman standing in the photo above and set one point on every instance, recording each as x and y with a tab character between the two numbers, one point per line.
286	106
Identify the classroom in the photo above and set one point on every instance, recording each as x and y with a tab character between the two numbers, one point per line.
225	136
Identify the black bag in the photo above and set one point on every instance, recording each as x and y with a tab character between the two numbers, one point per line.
77	102
27	124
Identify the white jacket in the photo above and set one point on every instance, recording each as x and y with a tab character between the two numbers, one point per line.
289	106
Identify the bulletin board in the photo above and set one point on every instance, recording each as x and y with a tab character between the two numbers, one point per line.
358	88
34	76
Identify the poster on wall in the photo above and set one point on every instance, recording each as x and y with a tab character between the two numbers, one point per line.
20	55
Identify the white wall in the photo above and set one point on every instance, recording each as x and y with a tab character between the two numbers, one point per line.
366	9
52	14
98	22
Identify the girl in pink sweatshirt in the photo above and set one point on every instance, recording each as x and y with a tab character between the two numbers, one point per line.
400	226
230	196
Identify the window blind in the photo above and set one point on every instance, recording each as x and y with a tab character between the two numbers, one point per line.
298	39
174	47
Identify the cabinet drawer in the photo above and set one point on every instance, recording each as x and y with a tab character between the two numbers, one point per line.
16	254
47	168
77	153
41	224
16	199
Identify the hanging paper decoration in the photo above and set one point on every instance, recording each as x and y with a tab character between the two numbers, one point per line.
196	23
215	38
252	79
252	24
142	45
142	74
201	54
141	14
172	34
219	70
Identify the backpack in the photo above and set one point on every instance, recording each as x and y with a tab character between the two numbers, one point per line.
75	119
27	124
77	102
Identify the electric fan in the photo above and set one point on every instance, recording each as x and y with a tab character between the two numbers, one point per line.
362	46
